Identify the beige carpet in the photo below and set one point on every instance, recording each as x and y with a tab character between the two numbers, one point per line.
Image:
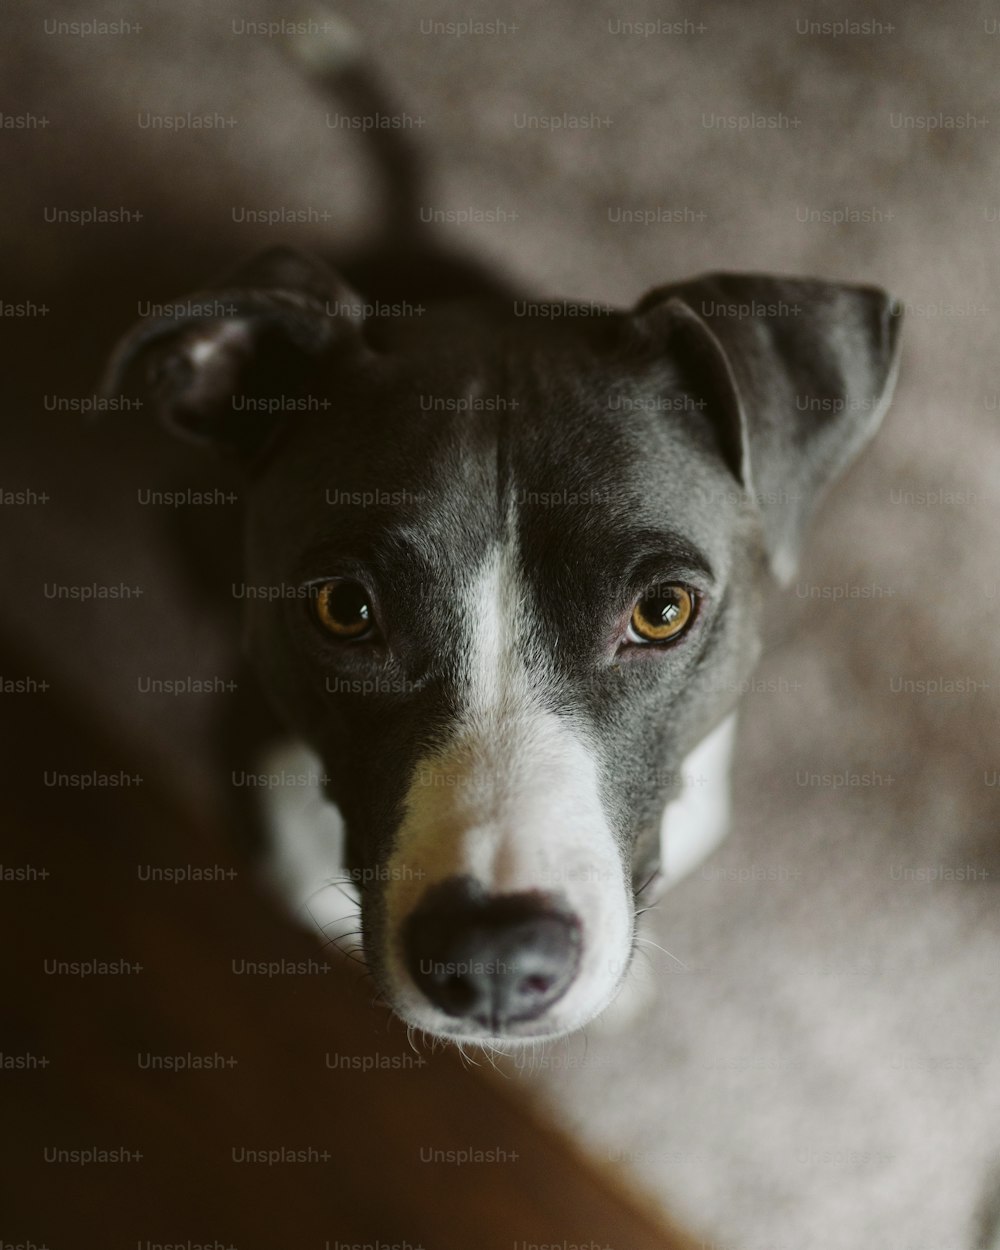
818	1067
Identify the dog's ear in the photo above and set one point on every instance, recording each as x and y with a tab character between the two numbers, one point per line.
796	375
211	368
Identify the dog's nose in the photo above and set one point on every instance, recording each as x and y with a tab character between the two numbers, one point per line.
493	959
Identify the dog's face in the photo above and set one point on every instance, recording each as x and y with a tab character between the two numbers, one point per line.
476	655
504	572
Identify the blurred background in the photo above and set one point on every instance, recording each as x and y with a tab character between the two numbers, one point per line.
816	1066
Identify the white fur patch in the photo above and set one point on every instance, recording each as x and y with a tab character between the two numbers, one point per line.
306	867
512	801
697	820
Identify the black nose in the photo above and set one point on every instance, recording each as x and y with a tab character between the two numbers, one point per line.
493	959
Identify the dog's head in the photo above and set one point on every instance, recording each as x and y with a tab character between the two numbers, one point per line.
505	567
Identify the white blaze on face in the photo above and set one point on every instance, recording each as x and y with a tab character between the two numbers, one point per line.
512	801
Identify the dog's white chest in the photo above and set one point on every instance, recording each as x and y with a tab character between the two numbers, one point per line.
697	820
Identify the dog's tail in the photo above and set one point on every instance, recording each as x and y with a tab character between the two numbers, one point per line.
332	54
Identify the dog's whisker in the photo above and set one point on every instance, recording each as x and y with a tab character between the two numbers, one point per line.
328	933
645	955
333	883
649	880
410	1030
502	1072
496	1051
650	942
340	937
353	955
467	1062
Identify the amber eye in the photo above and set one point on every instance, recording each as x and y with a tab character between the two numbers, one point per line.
662	614
344	609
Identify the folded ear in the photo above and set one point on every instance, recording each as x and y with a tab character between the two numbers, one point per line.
798	375
210	368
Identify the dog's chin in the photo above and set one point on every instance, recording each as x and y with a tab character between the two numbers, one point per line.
566	1017
469	1033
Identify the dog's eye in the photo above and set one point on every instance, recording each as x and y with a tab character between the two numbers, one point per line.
343	609
662	614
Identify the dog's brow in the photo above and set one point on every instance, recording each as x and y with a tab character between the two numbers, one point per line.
404	545
648	545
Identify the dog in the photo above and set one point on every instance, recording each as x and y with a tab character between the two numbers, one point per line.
506	562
